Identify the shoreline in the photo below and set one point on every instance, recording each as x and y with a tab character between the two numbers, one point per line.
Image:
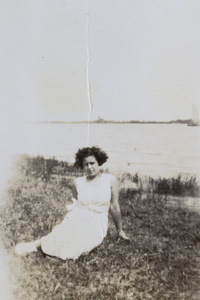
111	167
47	168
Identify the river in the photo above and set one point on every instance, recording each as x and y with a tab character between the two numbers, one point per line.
148	149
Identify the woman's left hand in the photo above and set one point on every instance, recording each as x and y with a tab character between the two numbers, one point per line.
123	235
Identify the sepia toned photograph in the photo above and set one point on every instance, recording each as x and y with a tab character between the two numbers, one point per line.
100	150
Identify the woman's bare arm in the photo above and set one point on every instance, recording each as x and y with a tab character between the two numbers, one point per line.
115	209
74	196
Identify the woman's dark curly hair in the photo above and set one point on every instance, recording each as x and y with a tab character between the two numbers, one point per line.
97	152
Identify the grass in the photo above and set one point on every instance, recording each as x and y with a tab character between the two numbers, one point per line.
161	261
175	186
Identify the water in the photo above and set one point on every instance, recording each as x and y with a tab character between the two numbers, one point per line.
148	149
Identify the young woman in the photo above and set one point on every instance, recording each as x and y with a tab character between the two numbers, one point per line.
85	225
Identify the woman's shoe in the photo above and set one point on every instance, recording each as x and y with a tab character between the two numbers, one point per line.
24	248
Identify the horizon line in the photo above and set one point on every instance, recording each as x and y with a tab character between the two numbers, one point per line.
103	121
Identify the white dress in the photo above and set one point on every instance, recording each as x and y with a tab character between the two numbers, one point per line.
85	226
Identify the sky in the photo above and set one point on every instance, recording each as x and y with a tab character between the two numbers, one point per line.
71	60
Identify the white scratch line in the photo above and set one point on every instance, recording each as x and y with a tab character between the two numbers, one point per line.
87	70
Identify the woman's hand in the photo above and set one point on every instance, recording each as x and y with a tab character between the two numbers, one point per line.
71	206
123	235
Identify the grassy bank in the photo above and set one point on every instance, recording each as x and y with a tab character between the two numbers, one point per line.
44	169
161	261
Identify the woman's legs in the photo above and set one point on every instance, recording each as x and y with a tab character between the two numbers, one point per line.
23	248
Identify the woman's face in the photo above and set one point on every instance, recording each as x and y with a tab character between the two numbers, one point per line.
91	166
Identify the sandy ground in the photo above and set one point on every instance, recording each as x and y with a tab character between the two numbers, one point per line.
190	203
